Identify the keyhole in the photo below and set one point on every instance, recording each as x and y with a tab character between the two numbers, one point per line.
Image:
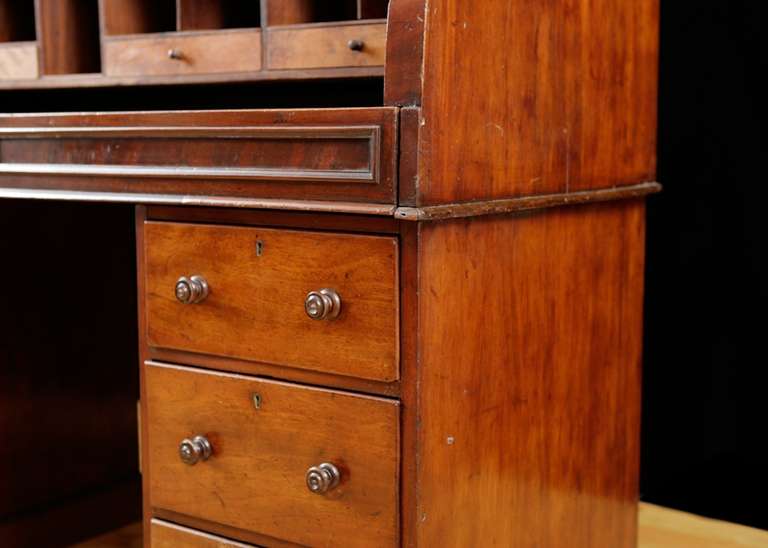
259	248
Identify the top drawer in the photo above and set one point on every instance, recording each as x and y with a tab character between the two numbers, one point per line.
321	154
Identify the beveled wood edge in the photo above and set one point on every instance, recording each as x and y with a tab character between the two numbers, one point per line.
525	203
426	213
169	35
191	200
98	80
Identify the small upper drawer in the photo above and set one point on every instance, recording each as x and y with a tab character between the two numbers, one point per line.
310	466
261	285
344	155
18	61
183	53
325	46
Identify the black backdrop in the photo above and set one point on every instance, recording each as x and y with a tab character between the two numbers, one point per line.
705	418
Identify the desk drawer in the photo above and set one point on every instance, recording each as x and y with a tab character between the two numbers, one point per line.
170	535
207	157
261	439
193	53
259	281
326	46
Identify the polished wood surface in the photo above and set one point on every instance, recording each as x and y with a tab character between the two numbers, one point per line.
169	535
255	309
309	47
342	154
529	379
255	478
199	53
523	98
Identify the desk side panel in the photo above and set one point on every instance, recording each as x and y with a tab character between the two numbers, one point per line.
529	378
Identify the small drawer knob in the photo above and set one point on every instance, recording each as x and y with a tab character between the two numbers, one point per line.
175	54
322	478
194	450
322	305
356	45
191	290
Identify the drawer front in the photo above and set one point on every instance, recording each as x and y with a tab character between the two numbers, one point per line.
203	53
170	535
18	61
257	158
259	280
264	437
326	46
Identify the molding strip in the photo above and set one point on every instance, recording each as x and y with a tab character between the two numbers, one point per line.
512	205
204	201
369	133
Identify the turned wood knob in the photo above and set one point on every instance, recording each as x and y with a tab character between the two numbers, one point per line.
356	45
322	478
194	450
322	305
191	290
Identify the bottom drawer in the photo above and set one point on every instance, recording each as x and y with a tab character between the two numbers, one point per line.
254	447
169	535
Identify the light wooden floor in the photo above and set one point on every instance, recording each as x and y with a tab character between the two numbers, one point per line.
659	528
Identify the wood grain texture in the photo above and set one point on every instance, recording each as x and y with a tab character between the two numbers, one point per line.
255	309
201	53
170	535
529	388
255	478
290	12
216	14
325	46
18	61
68	33
523	98
137	16
353	171
405	52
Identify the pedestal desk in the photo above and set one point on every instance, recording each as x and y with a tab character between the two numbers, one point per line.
373	270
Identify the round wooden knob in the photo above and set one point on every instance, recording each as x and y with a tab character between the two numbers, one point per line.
322	478
356	45
322	305
191	290
194	450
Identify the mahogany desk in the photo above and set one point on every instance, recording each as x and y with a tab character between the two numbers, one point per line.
373	270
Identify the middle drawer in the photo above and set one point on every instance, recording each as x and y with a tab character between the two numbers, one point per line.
321	301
